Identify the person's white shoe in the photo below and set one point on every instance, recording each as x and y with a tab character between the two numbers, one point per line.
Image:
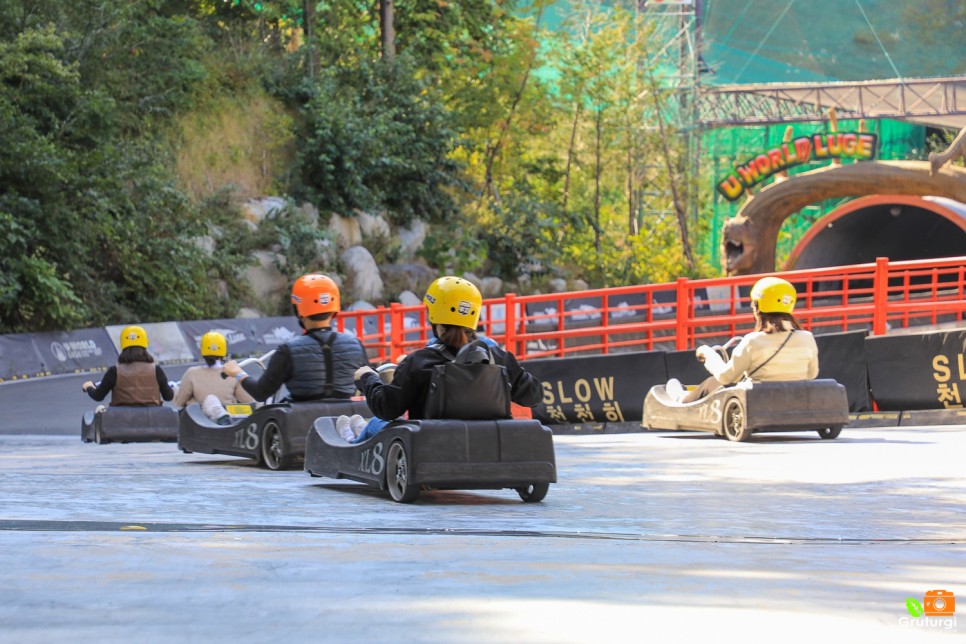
345	431
357	423
675	390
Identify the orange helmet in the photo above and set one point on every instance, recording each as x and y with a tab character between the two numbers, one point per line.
313	294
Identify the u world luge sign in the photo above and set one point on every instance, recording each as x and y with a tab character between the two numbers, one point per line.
836	145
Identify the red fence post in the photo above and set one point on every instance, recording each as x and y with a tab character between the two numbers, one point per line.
681	315
510	323
880	295
397	328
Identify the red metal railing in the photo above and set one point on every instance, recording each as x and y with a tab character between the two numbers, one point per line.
879	296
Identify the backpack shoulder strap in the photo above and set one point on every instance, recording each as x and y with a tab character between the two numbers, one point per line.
443	350
326	344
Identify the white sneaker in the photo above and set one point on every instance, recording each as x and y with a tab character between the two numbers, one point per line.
213	408
675	390
357	423
345	431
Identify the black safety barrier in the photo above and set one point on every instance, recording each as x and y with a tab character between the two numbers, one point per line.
684	366
238	332
75	351
596	389
922	371
19	357
841	357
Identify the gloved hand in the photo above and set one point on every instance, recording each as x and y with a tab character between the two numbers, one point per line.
87	385
702	352
361	371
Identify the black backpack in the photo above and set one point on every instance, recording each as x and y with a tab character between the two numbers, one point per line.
470	386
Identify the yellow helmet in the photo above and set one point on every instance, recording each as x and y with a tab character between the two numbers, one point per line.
773	295
455	301
214	344
134	336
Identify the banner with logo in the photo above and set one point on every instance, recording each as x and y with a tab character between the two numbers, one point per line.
925	371
75	351
19	357
596	389
271	332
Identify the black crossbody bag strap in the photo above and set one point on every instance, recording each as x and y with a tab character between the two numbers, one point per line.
782	346
443	350
326	345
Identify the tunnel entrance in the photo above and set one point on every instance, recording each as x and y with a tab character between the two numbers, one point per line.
898	227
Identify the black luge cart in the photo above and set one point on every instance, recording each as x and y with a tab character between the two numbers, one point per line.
273	435
409	456
748	408
130	425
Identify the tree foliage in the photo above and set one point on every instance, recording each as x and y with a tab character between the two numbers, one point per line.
521	146
376	138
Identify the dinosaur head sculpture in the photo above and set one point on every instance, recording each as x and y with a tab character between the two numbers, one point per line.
739	245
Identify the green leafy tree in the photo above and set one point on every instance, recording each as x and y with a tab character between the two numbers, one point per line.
376	138
96	229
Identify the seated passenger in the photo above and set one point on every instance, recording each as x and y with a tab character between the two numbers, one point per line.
778	348
318	365
135	381
355	428
204	384
453	306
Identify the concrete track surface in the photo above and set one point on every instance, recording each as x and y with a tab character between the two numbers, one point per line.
651	537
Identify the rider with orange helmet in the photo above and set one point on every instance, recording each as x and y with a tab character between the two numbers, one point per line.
317	365
778	348
135	380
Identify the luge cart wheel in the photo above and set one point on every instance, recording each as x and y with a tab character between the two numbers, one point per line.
830	433
735	421
273	449
397	475
534	492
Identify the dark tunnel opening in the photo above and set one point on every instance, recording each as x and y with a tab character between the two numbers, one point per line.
897	231
901	229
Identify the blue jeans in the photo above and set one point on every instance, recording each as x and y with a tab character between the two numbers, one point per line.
373	427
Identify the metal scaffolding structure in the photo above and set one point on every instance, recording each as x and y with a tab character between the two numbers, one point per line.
936	102
676	24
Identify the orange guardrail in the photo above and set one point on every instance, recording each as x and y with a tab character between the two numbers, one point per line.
878	296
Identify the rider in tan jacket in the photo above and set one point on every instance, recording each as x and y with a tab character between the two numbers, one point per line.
778	348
